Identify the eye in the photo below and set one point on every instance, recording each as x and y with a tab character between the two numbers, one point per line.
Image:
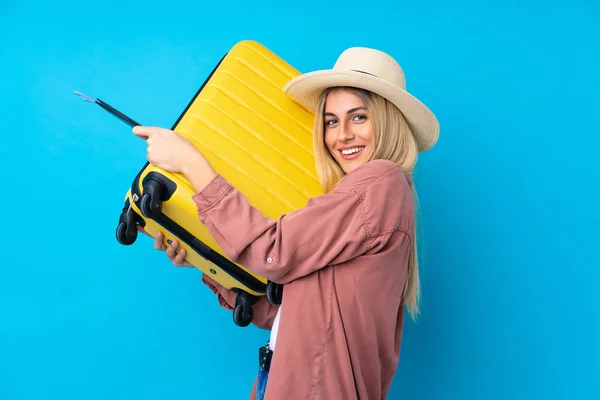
359	117
331	121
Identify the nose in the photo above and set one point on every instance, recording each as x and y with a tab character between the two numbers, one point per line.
345	132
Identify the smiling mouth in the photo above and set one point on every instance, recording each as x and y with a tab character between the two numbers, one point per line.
348	154
353	150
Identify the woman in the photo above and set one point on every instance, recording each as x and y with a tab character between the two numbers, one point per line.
347	260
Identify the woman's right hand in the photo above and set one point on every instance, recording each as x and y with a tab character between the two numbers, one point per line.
178	259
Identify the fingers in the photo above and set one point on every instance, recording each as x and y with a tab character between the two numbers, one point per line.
177	258
145	132
172	250
142	230
159	243
141	132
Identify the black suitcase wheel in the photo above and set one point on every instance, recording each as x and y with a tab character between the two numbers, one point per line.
242	312
154	193
126	235
242	315
274	293
127	229
151	206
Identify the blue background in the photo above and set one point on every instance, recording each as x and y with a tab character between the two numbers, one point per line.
509	196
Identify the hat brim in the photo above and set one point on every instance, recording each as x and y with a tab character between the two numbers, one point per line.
306	89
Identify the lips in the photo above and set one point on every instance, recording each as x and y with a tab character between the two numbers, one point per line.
349	153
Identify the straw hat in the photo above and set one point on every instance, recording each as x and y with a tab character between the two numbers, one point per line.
377	72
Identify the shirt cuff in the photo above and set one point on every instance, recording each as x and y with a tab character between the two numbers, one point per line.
211	195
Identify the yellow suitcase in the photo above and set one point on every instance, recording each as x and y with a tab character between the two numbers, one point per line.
254	135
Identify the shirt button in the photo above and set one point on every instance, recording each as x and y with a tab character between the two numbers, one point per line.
269	260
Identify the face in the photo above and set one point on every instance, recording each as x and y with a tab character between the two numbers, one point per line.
348	131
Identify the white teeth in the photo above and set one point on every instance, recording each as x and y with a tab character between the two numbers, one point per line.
353	150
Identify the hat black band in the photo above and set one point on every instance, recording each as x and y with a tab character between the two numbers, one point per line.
363	72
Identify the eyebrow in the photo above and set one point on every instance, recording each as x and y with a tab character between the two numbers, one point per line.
350	111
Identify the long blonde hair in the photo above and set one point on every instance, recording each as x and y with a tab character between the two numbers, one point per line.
393	141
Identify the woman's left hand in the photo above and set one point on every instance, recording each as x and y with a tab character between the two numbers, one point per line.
167	149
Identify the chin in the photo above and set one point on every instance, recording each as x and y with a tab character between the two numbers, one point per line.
349	166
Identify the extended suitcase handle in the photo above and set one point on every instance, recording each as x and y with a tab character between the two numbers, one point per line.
108	108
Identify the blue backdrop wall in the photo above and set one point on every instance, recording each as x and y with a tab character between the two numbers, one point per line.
509	197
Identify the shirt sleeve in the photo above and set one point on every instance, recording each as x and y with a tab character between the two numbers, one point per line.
330	229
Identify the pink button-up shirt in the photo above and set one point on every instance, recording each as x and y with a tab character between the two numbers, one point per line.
343	260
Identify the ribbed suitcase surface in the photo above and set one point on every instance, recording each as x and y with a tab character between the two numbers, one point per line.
252	134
